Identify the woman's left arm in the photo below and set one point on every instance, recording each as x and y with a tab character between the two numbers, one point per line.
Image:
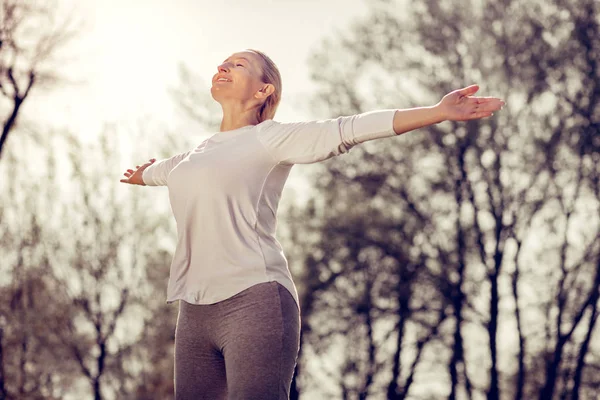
314	141
458	105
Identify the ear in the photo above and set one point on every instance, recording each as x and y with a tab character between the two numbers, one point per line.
265	91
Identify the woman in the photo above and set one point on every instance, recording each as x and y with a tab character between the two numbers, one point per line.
237	333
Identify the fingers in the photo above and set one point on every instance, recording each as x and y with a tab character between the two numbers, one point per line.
486	99
484	110
488	105
489	100
129	172
480	114
493	106
469	90
485	103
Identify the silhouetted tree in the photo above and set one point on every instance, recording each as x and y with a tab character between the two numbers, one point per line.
31	37
81	261
466	202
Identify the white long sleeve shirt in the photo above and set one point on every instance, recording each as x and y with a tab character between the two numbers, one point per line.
224	195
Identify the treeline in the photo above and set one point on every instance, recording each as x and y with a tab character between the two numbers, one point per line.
461	261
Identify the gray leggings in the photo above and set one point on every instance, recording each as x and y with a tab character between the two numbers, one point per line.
241	348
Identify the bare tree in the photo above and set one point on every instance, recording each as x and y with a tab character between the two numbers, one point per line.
106	273
32	35
32	314
79	289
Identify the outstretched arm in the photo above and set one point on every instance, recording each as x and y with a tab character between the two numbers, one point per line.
314	141
458	105
153	173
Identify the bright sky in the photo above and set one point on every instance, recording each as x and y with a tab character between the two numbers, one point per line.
129	52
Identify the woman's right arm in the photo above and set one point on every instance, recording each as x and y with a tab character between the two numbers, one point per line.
153	173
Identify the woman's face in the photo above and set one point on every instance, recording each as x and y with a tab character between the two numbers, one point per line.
238	78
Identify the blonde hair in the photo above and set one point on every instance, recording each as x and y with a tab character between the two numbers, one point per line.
270	74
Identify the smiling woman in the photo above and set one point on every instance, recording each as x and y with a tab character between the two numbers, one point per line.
252	71
238	328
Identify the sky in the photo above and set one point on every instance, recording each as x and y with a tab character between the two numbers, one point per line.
128	53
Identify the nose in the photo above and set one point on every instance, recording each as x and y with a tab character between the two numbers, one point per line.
223	67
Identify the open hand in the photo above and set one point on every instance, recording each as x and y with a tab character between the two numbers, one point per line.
460	105
135	177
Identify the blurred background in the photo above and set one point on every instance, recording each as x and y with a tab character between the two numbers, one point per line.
461	261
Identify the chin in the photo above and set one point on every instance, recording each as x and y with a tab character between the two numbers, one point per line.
215	93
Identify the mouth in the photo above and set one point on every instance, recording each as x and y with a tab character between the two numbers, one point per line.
223	80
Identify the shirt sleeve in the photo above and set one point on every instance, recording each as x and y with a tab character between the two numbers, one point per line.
157	173
311	142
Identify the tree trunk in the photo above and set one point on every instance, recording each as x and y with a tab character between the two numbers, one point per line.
97	394
493	392
457	296
582	353
552	370
521	354
10	122
371	370
3	393
392	391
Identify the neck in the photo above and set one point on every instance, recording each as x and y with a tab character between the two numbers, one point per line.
235	117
